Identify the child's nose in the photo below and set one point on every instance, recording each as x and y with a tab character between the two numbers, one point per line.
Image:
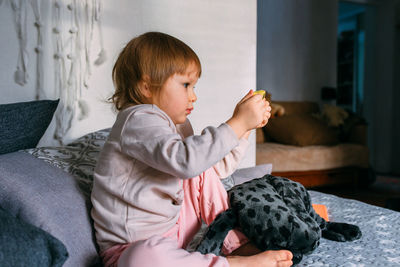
192	96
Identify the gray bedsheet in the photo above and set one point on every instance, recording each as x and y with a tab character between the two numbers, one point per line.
379	245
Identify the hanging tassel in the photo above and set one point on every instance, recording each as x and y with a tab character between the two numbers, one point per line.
40	93
20	18
62	116
19	77
63	121
102	57
88	33
84	108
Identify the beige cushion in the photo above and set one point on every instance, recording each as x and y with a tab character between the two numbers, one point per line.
300	130
295	158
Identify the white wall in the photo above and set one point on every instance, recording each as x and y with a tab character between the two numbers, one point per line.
222	33
296	47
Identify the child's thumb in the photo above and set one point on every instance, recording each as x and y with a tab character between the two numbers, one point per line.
247	96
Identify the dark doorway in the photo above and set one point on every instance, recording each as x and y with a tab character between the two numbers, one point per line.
351	54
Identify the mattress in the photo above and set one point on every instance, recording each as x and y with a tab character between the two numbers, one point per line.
379	245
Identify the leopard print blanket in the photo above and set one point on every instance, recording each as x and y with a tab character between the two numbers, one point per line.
274	213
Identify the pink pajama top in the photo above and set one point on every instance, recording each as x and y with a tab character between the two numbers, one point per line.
137	189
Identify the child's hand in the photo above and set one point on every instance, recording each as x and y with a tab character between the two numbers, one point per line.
251	112
267	115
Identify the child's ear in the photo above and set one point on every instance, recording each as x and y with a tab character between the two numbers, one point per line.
144	86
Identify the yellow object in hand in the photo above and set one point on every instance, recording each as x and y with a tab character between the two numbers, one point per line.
264	94
259	92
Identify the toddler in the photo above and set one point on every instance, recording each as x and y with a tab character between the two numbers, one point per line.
155	182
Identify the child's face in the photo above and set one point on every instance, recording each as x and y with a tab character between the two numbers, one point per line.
177	96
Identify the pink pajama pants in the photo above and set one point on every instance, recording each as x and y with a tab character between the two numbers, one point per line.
204	198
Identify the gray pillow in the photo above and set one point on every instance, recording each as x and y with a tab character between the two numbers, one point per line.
23	124
49	198
245	174
22	244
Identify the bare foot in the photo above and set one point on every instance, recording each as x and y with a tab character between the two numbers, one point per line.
270	258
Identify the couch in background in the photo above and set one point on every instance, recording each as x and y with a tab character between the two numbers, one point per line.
314	146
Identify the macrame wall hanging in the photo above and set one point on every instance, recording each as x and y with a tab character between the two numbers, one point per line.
73	58
73	25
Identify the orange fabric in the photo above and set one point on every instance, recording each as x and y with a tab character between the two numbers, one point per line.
321	210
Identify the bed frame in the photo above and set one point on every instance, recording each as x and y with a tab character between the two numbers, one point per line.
348	176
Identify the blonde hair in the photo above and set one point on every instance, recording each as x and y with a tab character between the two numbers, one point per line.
154	56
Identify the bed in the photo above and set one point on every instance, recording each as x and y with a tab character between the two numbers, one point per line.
49	188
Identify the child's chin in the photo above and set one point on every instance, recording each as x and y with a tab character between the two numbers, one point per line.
180	120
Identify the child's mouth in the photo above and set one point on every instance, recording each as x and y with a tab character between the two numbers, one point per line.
189	110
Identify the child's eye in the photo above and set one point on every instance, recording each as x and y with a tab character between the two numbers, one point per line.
186	85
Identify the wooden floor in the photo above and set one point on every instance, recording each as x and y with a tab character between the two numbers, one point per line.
384	192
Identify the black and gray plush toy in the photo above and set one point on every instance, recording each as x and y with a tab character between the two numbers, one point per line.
274	213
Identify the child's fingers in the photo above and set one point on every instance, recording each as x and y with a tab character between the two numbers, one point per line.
269	108
247	96
267	115
256	97
255	100
263	123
